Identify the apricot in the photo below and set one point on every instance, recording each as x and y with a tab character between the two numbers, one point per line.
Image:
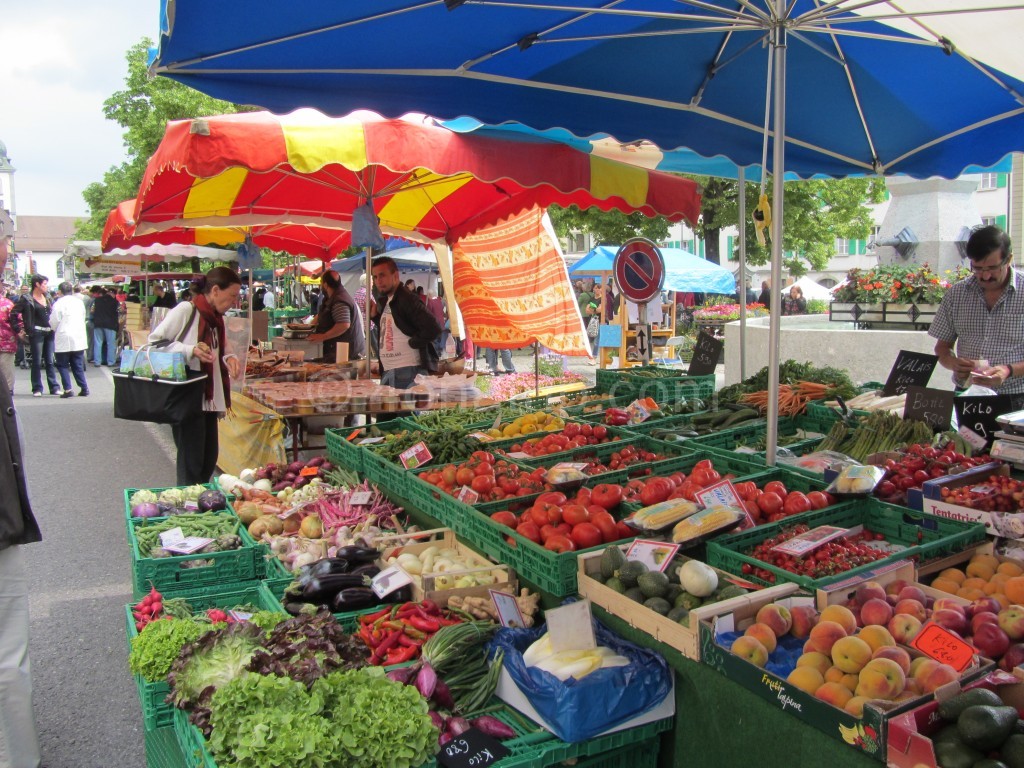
1014	589
953	574
990	560
981	570
974	582
969	593
1010	568
946	585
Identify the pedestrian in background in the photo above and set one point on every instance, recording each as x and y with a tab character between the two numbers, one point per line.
67	318
19	744
85	296
104	322
24	353
795	303
34	309
8	338
766	295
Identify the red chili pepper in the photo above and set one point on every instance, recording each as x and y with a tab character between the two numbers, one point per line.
404	639
405	609
375	638
411	631
424	625
430	607
448	622
370	618
390	641
401	655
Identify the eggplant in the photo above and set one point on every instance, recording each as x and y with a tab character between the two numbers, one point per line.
322	589
366	569
357	555
353	599
400	595
300	609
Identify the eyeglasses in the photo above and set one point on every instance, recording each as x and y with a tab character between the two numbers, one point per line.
992	269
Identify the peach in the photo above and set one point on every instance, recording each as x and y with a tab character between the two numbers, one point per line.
815	660
876	612
751	649
824	636
897	654
876	636
984	605
881	679
834	675
983	617
911	608
948	603
913	686
776	616
763	633
842	616
941	675
869	590
850	654
895	587
921	667
855	706
804	618
835	694
1011	621
807	679
911	592
903	627
850	681
954	621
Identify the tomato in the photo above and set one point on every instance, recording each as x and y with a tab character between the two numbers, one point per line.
483	469
559	544
600	432
574	514
448	474
483	484
677	478
464	475
484	456
623	531
701	478
583	497
688	490
777	487
796	503
818	499
529	530
586	535
571	429
547	531
607	495
550	512
770	503
586	429
551	497
605	523
745	490
703	464
656	490
505	518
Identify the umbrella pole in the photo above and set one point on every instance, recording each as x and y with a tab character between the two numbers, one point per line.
741	182
369	298
778	174
536	369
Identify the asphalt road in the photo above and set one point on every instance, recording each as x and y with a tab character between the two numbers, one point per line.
79	459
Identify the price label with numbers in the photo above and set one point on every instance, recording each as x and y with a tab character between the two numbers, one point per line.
944	647
472	749
416	456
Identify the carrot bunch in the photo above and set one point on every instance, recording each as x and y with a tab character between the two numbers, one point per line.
792	399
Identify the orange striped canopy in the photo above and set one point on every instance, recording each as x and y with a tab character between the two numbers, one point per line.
425	181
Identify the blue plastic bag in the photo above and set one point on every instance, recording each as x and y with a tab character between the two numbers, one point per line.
577	710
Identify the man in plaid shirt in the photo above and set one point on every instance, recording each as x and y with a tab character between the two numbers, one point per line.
983	317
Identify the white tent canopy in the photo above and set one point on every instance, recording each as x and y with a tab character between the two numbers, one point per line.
90	250
811	289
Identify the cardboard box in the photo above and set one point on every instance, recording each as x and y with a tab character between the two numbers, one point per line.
426	586
686	640
1007	525
868	733
909	743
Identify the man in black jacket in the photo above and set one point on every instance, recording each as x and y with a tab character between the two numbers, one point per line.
406	330
104	324
19	745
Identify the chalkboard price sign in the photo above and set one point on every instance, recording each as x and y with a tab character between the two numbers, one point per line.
472	749
978	415
932	406
910	369
706	352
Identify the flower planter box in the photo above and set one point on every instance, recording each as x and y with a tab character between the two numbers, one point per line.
911	316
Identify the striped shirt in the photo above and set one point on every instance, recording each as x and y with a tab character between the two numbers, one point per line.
980	333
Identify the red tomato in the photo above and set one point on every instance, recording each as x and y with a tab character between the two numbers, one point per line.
551	497
464	475
547	531
796	503
505	518
656	490
770	503
583	497
677	478
529	530
571	429
484	456
559	544
606	495
483	468
818	499
600	432
777	487
703	464
688	490
550	512
574	514
745	490
483	484
563	528
605	523
586	535
702	478
586	429
624	531
448	474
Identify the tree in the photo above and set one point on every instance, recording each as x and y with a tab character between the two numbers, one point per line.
142	108
607	227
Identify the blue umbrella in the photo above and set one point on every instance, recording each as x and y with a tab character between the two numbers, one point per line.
683	271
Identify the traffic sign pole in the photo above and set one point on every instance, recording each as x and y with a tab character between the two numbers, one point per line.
640	274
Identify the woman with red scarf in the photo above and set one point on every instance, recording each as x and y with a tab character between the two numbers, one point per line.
200	327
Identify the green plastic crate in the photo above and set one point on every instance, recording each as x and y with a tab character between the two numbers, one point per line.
729	440
531	747
129	492
341	452
168	575
925	537
623	433
672	387
603	452
162	750
156	714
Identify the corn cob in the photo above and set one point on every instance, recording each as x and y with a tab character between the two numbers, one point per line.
705	522
663	514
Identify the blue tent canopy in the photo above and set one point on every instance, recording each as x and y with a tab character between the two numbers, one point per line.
409	259
683	271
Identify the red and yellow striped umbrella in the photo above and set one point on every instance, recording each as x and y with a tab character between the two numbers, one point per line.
257	169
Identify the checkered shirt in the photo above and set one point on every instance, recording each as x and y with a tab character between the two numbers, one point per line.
980	333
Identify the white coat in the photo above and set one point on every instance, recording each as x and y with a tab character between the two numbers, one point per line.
67	318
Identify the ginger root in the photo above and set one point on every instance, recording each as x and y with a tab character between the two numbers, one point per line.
483	607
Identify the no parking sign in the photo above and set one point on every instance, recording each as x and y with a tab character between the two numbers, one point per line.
639	270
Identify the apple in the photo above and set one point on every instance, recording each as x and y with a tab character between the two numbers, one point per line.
1011	621
983	617
842	616
1013	657
807	679
881	679
869	590
751	649
850	654
824	636
763	633
913	608
777	617
876	611
911	592
815	660
990	640
804	618
897	654
903	627
984	605
954	621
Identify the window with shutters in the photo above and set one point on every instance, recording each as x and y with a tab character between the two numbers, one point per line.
844	247
989	181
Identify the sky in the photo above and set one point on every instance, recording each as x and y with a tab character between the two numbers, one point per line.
59	61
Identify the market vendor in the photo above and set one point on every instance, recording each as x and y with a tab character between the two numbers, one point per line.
338	319
982	318
405	329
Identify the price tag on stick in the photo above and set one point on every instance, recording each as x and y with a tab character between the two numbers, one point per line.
932	406
910	369
706	353
472	749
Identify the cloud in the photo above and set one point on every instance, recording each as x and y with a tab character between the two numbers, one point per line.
61	60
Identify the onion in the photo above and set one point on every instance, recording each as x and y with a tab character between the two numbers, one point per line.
146	509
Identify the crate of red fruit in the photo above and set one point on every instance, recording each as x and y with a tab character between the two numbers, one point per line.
872	533
572	436
638	456
986	494
921	471
776	494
